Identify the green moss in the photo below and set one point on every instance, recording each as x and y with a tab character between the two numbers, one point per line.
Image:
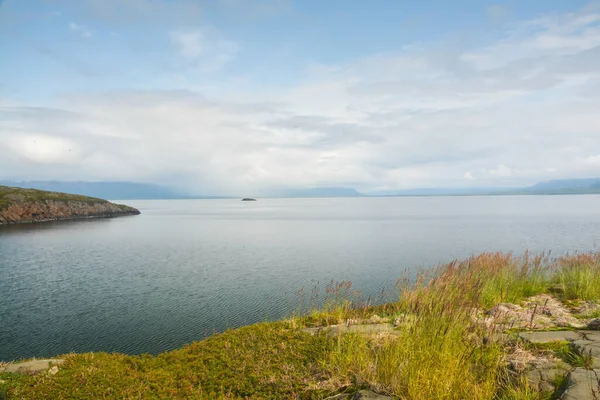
269	360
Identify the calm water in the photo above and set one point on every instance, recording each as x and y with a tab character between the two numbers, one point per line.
187	268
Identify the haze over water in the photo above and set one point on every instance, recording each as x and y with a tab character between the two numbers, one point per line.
187	268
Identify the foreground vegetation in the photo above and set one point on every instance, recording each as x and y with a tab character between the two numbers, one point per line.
439	349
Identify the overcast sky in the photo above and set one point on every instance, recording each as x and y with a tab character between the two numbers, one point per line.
230	96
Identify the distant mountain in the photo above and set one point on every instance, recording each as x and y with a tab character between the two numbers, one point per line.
560	186
104	190
566	186
313	192
445	192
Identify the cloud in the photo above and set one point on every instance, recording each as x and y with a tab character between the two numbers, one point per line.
501	171
512	112
80	30
204	49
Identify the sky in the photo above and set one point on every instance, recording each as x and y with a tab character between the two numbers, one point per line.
238	96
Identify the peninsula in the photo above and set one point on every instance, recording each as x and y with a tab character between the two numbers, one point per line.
18	205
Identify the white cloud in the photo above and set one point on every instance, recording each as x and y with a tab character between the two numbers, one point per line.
80	30
204	49
512	112
501	171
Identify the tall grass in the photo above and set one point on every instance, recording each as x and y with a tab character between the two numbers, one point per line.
579	276
440	351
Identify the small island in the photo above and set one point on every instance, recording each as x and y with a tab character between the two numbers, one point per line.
19	205
248	199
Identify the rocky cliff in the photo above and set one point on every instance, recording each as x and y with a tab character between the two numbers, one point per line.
29	205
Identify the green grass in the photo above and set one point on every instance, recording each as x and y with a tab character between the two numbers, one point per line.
268	360
579	276
438	352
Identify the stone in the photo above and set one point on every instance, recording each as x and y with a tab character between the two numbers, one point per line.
521	360
537	312
594	325
32	367
589	348
549	336
583	385
542	379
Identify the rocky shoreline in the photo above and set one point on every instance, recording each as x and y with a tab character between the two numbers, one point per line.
30	205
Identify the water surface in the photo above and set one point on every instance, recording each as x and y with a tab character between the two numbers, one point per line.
187	268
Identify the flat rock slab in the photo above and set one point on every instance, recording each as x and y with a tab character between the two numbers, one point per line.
586	347
550	336
583	385
31	367
542	379
364	329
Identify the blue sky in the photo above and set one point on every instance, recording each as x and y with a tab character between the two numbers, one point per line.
229	96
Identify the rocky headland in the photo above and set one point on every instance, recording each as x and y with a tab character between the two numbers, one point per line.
30	205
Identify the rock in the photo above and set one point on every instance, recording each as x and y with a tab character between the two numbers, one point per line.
53	370
542	379
32	367
549	336
594	325
583	385
589	349
29	205
521	360
538	312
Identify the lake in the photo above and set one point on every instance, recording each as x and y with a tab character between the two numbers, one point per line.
185	269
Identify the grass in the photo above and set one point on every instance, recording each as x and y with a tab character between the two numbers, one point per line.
439	351
267	360
578	276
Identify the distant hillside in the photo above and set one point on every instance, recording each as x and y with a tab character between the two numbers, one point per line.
18	205
560	186
482	191
566	186
105	190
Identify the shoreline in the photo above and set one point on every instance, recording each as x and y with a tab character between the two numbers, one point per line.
491	326
18	206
